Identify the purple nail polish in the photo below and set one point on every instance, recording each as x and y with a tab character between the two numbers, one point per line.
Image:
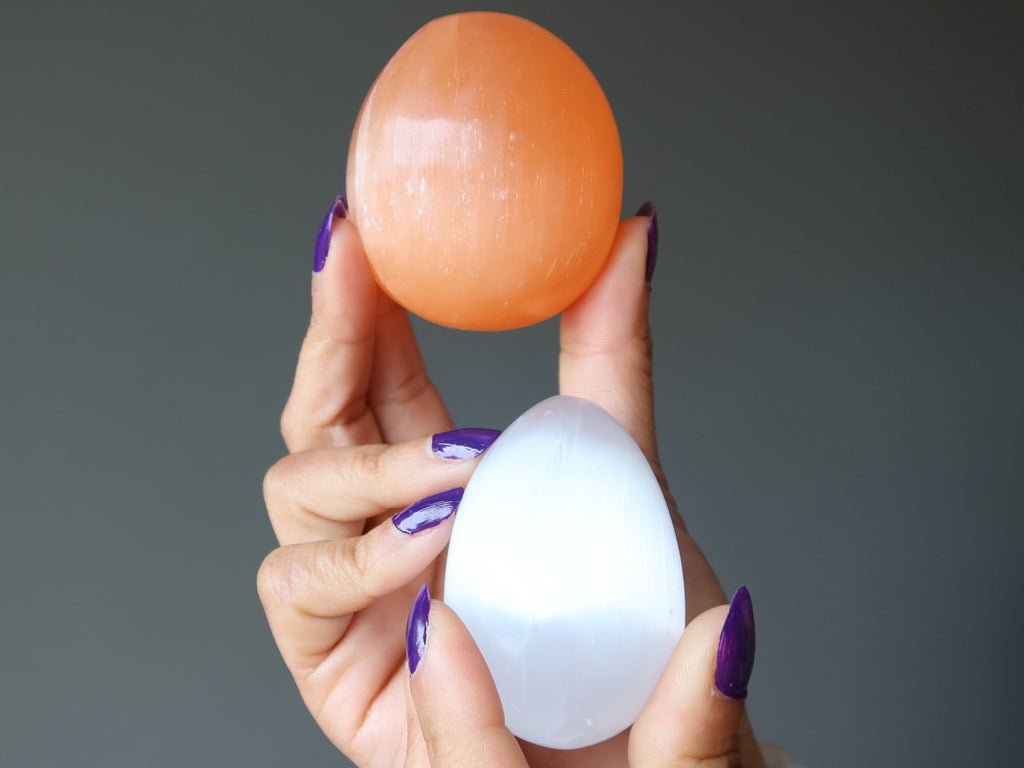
736	647
428	512
647	209
416	629
339	210
462	444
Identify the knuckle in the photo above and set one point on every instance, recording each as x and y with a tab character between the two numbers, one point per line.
343	567
369	463
645	345
274	578
277	491
354	569
440	750
730	756
295	575
275	483
356	572
351	412
289	426
413	386
315	578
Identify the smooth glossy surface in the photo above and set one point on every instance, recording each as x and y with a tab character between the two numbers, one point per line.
485	173
416	628
737	644
339	209
563	564
428	512
462	444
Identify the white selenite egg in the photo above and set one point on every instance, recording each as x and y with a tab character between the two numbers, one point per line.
564	566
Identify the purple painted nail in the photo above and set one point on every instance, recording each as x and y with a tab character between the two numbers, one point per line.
416	629
428	512
463	443
736	647
339	210
647	209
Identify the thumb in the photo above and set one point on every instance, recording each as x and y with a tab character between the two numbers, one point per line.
455	702
606	338
696	715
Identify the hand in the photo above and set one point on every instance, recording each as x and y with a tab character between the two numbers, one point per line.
456	715
338	590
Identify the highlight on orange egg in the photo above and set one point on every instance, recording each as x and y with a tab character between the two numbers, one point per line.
485	173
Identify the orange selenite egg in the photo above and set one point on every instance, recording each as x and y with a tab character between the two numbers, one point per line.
485	173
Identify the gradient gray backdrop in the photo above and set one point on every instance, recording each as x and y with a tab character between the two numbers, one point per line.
838	321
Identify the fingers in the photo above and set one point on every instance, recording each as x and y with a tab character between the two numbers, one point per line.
404	400
328	405
330	493
606	358
360	376
696	715
457	712
309	591
606	339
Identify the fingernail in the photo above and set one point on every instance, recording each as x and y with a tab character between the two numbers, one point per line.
339	210
416	629
736	647
463	443
428	512
647	209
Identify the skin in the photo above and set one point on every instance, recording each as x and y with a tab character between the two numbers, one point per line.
338	590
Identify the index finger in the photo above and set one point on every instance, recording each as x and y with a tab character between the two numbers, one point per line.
328	405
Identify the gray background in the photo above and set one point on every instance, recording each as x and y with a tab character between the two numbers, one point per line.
838	321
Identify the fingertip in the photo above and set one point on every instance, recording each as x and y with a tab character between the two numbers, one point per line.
734	660
459	712
648	211
416	628
687	718
694	660
428	512
338	210
449	666
627	261
344	292
462	444
606	344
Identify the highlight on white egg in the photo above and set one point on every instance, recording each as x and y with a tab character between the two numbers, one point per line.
563	564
